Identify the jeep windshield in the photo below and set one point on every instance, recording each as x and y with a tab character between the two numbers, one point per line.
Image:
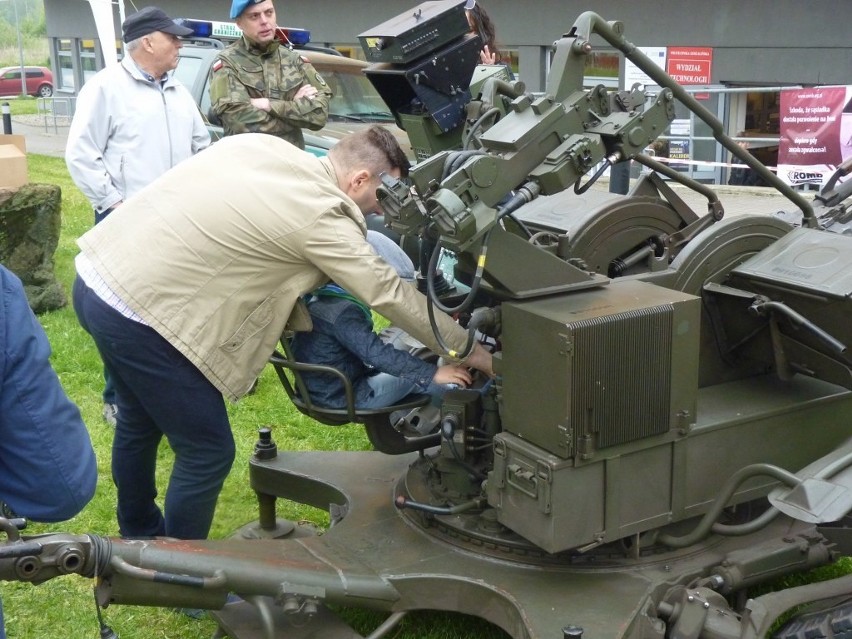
355	98
356	102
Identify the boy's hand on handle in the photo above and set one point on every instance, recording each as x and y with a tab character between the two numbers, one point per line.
453	374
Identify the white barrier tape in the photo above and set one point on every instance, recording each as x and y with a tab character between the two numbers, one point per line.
703	163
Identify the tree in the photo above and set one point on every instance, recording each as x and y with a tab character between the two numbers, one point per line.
30	17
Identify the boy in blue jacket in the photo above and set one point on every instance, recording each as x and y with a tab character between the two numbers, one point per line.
343	337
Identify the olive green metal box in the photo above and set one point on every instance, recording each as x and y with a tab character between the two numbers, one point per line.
593	369
559	505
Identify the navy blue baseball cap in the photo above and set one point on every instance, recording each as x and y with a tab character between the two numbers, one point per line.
238	6
147	21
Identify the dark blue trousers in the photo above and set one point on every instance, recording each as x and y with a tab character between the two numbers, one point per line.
159	392
109	389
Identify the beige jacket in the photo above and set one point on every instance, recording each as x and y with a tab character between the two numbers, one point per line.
215	254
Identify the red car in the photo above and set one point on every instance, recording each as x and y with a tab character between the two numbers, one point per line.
39	81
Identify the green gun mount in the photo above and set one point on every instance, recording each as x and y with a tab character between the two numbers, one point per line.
668	430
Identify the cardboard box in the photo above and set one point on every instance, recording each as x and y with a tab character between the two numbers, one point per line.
13	161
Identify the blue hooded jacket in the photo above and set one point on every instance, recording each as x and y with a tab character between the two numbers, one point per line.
47	465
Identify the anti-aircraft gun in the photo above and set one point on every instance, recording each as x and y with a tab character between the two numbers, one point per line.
668	426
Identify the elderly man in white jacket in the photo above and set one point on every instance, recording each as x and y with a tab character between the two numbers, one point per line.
133	122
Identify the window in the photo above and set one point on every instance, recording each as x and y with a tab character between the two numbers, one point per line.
354	98
188	69
66	64
511	57
762	112
601	67
88	59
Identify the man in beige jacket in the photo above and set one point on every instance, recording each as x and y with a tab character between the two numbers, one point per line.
186	301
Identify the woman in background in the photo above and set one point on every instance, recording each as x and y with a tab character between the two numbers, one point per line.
480	22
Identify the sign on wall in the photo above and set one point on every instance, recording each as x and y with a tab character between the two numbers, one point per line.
816	133
690	65
634	75
679	150
687	65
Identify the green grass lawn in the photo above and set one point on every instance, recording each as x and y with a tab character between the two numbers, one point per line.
63	608
21	106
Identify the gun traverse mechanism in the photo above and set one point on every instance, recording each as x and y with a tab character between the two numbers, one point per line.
668	427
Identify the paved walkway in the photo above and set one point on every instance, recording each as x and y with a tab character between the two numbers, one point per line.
47	136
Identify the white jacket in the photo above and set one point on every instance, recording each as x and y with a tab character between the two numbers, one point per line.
127	131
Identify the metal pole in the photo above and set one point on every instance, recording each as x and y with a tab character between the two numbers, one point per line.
7	119
20	49
121	18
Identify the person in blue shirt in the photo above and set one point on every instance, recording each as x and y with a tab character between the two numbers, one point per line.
47	465
343	337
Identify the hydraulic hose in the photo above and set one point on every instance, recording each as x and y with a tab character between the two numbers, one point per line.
708	522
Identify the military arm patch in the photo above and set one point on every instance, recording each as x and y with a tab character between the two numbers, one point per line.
319	78
217	65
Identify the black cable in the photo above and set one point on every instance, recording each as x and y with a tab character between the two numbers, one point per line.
448	427
431	272
493	112
579	190
521	225
471	335
520	197
105	630
455	159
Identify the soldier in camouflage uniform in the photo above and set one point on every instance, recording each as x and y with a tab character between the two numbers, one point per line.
259	86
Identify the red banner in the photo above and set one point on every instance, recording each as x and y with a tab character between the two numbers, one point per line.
810	126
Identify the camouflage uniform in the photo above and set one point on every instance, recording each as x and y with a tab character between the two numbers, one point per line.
244	71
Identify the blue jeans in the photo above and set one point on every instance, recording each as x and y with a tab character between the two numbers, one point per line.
387	390
159	393
343	338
